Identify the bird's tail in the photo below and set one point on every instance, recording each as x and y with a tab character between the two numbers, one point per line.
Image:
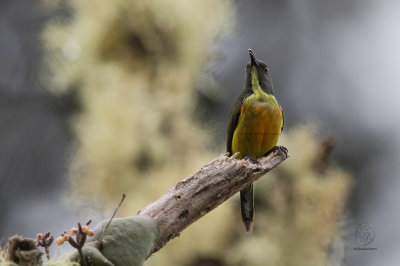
247	207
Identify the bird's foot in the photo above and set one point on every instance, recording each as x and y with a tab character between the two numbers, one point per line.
250	159
278	148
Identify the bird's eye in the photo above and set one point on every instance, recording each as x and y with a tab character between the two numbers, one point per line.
266	70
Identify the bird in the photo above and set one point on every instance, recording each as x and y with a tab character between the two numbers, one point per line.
255	125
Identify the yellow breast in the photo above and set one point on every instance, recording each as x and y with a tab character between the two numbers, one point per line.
259	126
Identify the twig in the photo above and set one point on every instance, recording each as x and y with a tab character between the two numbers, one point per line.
82	257
45	240
80	240
108	224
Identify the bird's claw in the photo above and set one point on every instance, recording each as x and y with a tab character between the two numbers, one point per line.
250	159
280	149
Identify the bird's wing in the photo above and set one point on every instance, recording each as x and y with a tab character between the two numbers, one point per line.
283	118
233	121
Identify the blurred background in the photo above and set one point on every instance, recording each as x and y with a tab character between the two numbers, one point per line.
103	98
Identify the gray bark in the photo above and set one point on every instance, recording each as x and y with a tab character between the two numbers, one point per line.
204	190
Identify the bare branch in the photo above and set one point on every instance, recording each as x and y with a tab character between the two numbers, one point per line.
204	190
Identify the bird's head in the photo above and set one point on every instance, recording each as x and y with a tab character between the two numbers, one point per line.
257	73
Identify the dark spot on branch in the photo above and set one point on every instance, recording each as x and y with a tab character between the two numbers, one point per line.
184	214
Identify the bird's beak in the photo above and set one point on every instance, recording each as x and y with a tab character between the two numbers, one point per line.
253	60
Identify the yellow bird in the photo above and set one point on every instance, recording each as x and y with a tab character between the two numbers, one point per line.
255	125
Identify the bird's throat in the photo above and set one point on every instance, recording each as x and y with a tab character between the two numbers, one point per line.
255	84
